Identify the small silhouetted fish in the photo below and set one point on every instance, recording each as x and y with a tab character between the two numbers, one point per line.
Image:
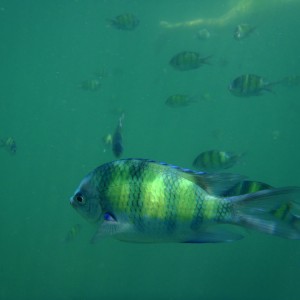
117	139
188	60
179	100
250	85
91	84
125	22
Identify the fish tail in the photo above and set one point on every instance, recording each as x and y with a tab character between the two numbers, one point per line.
205	60
279	81
270	85
265	211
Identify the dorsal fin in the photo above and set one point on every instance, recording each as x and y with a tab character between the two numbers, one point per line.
212	183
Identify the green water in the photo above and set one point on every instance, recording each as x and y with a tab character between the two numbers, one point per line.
47	49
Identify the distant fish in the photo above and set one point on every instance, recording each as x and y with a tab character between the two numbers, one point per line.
9	144
125	21
246	187
73	233
242	31
203	34
91	84
179	100
188	60
215	160
117	139
250	85
102	73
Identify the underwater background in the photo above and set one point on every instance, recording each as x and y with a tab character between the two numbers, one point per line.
51	54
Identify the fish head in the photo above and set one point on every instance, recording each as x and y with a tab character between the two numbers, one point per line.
86	200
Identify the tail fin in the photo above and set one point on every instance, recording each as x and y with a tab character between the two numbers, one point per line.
272	211
205	60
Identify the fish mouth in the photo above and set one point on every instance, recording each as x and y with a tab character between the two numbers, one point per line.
72	201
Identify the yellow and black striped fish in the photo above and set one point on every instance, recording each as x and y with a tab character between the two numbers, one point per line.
141	200
125	21
215	160
91	84
188	60
179	100
246	187
249	85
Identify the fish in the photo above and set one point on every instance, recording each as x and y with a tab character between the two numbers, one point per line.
203	34
91	84
73	233
179	100
117	139
188	60
242	31
246	187
248	85
216	160
125	21
9	144
141	200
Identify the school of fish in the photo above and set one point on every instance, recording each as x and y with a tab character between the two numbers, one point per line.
141	200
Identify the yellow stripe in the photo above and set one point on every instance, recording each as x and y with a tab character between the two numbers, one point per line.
186	200
153	197
118	192
210	206
119	197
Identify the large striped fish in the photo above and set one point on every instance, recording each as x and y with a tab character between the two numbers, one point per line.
141	200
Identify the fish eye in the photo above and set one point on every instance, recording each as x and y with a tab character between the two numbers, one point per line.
79	198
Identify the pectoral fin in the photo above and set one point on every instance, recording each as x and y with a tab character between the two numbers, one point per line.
109	227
